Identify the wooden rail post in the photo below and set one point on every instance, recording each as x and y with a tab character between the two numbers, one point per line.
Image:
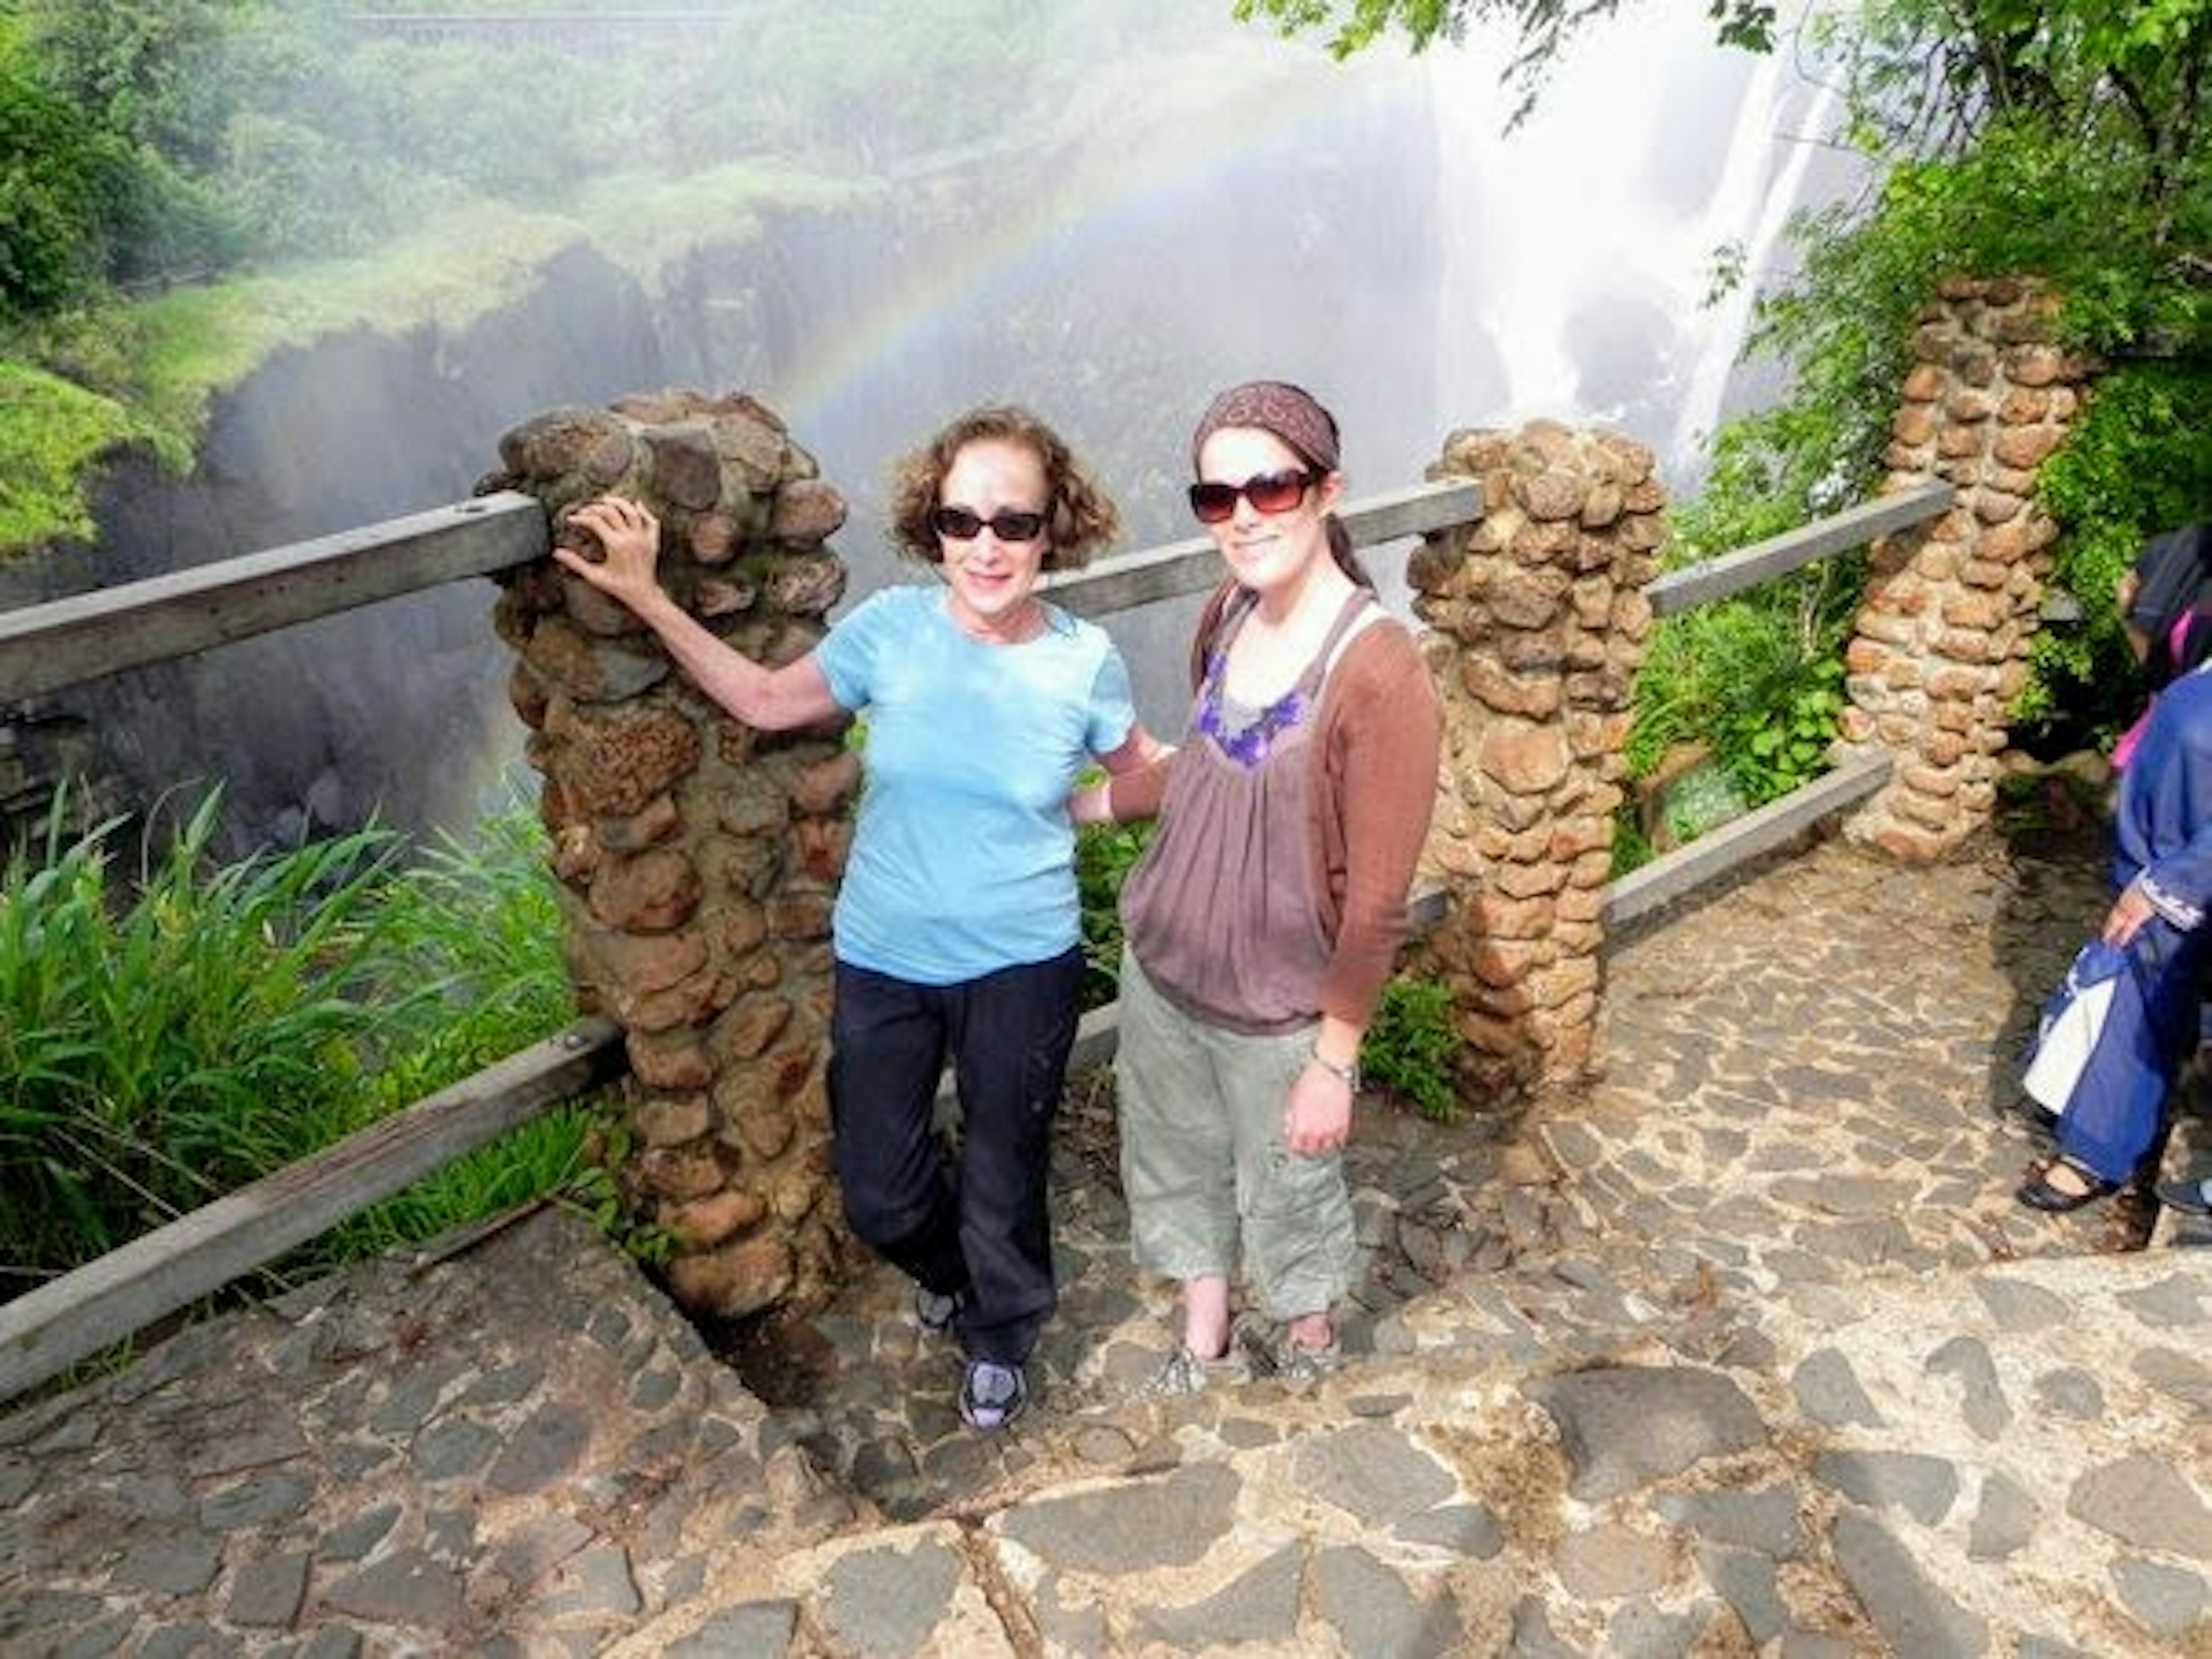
1539	615
698	858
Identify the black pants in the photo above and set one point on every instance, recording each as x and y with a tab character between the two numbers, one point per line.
979	1227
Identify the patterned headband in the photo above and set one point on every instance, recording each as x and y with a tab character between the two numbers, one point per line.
1288	411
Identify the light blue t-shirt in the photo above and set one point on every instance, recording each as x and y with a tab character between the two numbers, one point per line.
963	856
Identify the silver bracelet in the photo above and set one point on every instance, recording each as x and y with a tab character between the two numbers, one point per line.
1350	1072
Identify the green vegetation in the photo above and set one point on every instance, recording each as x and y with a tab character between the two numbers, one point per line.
1411	1046
1756	682
105	176
2065	144
1543	29
1104	853
50	433
171	1033
2127	471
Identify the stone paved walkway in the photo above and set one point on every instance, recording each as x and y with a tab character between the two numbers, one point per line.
1746	1350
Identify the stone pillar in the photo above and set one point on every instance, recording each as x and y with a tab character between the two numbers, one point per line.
697	857
1539	618
1939	649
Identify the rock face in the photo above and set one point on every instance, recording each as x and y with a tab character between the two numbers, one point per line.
394	710
698	857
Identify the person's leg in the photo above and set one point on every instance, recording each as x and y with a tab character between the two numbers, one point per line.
887	1051
1206	1315
1011	1031
1297	1213
2115	1119
1178	1160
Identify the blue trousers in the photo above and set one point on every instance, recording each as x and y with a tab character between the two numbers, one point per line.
978	1226
2113	1120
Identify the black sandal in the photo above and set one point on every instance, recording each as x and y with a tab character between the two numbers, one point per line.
2038	1193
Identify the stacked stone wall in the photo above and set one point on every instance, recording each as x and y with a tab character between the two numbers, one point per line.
697	857
1539	619
1941	645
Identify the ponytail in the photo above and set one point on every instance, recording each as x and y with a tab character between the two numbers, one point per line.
1340	549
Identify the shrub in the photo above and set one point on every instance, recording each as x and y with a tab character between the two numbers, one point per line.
161	1047
63	185
303	191
51	433
169	1040
1104	854
2119	479
468	957
1411	1045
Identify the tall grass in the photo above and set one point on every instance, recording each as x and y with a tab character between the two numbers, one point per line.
175	1030
469	955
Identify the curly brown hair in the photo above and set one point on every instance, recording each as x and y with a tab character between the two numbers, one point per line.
1081	517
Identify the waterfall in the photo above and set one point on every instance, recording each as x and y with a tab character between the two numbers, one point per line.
1577	250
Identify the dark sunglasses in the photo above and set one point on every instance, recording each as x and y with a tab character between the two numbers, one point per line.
958	524
1269	492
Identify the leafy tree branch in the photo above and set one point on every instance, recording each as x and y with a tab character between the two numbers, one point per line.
1543	29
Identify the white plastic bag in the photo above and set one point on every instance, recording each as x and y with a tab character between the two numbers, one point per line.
2073	1022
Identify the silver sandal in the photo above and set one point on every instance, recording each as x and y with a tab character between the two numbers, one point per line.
1183	1373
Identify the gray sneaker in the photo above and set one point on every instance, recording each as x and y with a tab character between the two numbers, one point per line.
992	1395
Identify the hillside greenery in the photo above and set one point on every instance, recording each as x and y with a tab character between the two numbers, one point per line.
2064	144
188	186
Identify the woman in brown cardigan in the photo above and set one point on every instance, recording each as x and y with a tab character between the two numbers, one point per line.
1267	911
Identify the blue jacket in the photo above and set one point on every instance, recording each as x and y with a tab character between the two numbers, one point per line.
2162	827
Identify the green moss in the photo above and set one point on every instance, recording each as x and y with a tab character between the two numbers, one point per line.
51	433
148	371
200	340
448	274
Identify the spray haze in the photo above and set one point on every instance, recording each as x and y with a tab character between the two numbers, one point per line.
872	216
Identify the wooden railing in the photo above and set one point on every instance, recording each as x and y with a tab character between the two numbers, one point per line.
1777	556
47	647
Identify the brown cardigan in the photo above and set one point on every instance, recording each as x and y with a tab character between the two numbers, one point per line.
1374	789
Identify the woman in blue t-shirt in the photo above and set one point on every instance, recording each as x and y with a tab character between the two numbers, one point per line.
957	929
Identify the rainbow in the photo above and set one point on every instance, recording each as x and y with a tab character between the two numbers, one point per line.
1103	200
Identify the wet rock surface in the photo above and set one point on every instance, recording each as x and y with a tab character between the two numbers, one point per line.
1749	1348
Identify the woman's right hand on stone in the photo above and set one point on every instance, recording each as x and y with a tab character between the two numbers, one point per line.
631	537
